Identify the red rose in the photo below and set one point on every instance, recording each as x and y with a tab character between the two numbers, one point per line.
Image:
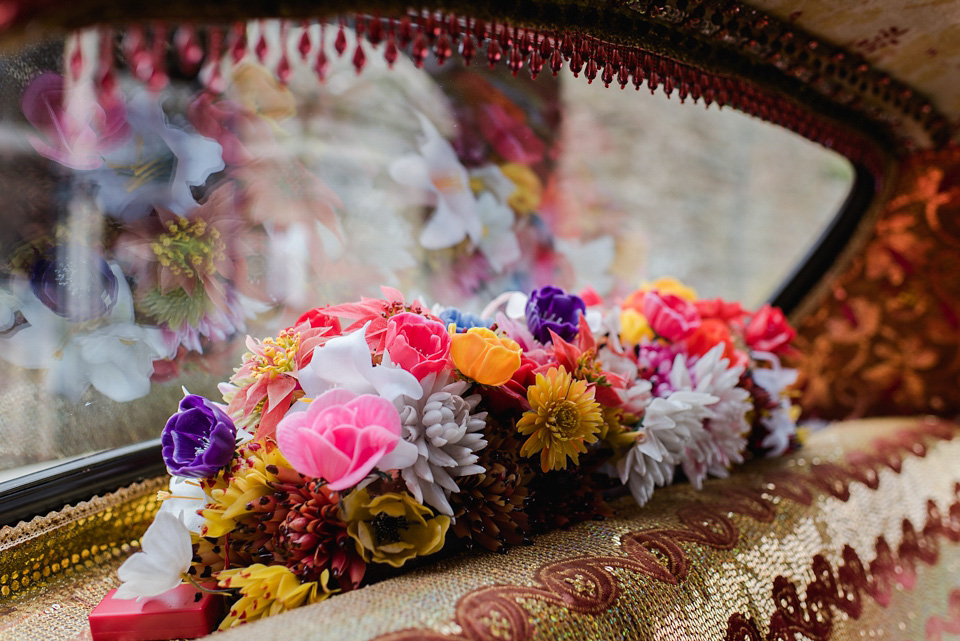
769	331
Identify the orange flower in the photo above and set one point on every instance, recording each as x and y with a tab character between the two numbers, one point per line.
483	356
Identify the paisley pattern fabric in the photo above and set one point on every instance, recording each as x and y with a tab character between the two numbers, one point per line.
916	42
883	338
859	533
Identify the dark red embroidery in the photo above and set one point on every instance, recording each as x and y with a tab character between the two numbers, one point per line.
842	589
588	584
937	626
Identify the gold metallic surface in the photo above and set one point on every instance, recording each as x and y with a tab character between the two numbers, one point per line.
56	568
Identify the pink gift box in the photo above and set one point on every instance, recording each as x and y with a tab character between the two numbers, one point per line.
181	613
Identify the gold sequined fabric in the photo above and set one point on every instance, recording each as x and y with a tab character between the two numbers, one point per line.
56	568
883	338
857	536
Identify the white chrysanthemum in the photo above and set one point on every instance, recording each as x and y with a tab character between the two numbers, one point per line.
666	431
447	435
722	441
779	424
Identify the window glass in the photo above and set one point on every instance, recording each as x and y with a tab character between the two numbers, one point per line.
149	227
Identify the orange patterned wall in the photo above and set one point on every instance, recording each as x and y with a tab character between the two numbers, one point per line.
886	339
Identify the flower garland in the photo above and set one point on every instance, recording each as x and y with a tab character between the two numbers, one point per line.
343	453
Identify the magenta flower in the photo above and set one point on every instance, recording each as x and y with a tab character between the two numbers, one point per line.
342	436
671	317
417	344
76	131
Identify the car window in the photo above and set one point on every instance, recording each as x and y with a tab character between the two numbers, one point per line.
151	225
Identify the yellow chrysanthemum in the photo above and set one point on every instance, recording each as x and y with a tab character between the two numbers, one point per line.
563	418
392	528
266	590
634	327
255	467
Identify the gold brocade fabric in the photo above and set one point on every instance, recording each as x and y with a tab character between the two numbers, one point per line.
56	568
857	536
884	338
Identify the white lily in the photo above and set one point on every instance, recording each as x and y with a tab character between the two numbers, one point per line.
165	556
499	243
345	362
437	171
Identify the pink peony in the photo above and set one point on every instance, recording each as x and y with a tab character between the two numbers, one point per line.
341	437
769	331
671	317
417	344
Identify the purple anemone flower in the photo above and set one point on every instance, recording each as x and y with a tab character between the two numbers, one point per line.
77	284
199	439
550	308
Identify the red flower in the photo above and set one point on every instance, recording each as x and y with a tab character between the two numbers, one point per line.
712	332
671	317
730	313
417	344
769	331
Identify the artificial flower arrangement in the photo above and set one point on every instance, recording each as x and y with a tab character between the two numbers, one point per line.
371	434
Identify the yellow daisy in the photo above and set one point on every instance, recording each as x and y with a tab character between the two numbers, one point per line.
563	418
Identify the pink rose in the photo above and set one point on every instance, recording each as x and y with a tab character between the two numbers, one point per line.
341	437
671	317
769	331
417	344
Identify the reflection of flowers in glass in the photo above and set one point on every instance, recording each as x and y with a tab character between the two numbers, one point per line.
392	528
113	354
485	357
417	344
183	265
76	130
198	440
563	418
157	165
551	309
437	171
499	244
75	284
342	436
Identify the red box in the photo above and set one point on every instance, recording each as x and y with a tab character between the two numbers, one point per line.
181	613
